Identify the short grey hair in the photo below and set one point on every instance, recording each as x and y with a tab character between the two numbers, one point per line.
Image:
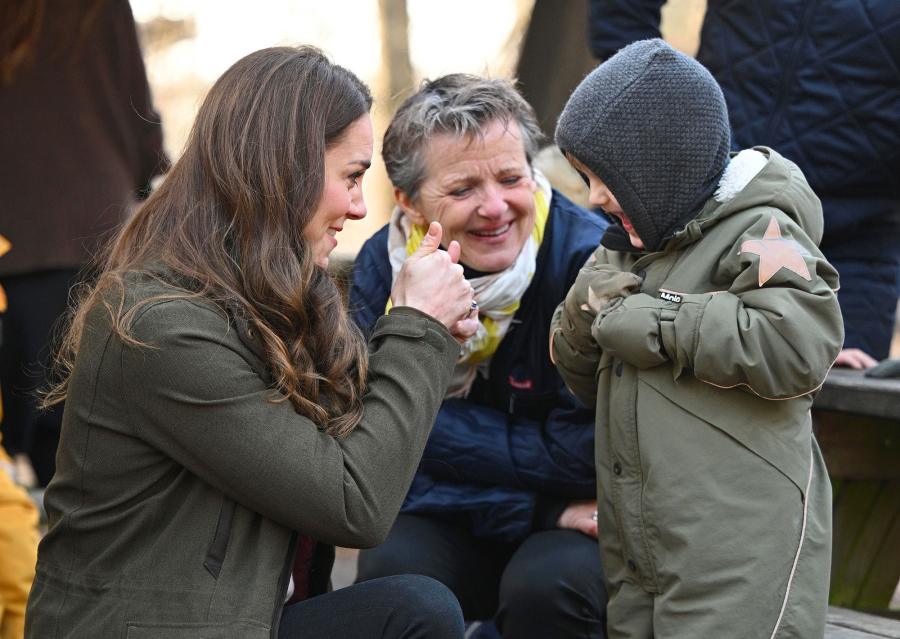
459	104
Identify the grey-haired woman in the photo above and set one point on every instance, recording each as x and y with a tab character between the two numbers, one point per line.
501	508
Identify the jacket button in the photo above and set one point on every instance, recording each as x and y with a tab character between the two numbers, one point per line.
617	468
632	566
619	368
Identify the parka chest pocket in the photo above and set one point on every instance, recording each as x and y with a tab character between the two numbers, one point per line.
215	556
229	630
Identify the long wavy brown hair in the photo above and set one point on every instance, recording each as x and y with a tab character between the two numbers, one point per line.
229	219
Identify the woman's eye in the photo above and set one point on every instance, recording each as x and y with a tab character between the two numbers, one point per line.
511	180
461	192
355	179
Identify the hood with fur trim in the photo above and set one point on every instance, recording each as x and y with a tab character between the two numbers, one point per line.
757	177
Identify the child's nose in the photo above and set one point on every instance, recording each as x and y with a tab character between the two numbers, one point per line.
599	195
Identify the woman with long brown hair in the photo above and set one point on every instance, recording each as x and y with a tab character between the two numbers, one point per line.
225	423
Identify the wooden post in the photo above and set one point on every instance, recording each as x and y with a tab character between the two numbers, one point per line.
555	57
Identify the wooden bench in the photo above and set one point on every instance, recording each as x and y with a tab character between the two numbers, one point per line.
857	423
847	624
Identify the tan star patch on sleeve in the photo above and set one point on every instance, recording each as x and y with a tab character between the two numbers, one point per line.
776	252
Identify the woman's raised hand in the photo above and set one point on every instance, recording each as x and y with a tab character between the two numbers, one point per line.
432	281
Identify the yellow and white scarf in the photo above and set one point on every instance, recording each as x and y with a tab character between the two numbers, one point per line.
498	294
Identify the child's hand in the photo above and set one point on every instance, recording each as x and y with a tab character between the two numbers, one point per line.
572	347
595	287
629	328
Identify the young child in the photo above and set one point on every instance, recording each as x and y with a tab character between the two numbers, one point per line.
701	328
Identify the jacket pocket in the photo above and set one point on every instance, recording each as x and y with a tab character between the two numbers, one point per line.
219	545
229	630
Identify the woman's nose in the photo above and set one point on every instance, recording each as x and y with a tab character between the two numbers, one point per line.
492	202
357	210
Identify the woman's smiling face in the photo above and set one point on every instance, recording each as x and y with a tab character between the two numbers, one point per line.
481	191
342	198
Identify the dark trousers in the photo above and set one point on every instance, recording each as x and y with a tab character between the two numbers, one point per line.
36	302
402	607
551	585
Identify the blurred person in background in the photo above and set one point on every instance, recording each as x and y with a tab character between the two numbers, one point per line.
80	145
18	550
502	507
18	533
820	83
226	423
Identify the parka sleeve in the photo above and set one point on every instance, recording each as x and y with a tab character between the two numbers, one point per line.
775	330
200	400
573	349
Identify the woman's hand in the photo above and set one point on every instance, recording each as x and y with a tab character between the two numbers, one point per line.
855	358
466	328
432	281
580	516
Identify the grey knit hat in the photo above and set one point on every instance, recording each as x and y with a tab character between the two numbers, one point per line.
652	124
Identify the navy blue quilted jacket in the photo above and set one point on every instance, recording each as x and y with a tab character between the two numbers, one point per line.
505	460
819	81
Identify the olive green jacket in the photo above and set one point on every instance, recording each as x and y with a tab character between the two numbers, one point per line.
735	320
181	486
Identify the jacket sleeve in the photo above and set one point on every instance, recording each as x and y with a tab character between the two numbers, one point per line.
479	444
370	284
614	24
573	348
205	406
774	331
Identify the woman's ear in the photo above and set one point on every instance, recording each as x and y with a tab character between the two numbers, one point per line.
409	209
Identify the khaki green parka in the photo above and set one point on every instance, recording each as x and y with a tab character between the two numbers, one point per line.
181	486
702	360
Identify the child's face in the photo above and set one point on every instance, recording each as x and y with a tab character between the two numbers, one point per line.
601	196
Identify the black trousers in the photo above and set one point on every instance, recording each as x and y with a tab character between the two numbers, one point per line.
402	607
551	585
36	302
